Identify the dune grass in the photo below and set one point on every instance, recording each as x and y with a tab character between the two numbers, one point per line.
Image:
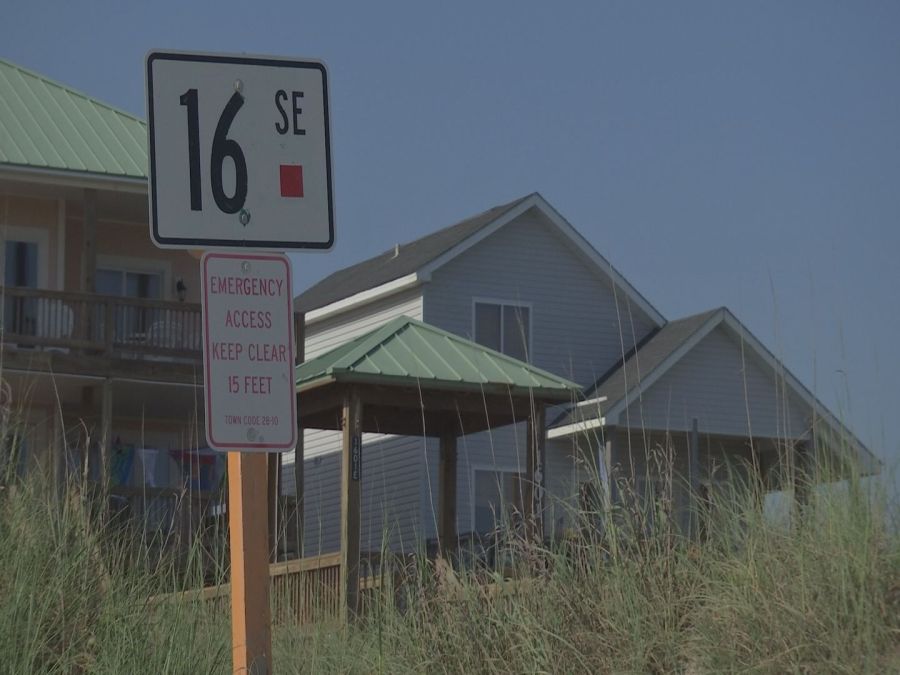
819	594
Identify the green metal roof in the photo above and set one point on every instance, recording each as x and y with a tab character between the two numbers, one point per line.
46	125
408	352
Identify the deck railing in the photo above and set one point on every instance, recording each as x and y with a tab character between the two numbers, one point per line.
100	324
302	591
181	524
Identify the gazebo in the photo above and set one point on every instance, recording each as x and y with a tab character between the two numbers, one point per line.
410	378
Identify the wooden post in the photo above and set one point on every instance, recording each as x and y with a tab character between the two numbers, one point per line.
273	468
109	327
59	463
800	477
106	401
694	471
447	494
351	475
299	474
89	243
250	629
535	472
611	464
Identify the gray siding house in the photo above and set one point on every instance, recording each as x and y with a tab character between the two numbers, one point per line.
520	279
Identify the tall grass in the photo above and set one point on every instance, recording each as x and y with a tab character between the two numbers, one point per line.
752	594
76	600
820	594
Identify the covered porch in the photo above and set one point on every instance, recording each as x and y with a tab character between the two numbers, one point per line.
409	378
703	407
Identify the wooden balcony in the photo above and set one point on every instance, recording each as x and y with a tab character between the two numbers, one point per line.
111	327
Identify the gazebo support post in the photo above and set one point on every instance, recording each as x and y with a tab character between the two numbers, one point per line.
351	474
800	477
299	466
447	494
694	472
535	473
610	459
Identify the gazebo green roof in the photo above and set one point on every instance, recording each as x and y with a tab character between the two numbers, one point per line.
410	353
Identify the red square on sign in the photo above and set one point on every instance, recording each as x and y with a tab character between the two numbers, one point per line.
291	180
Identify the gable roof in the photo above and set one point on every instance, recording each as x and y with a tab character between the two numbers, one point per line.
660	345
410	352
395	263
625	383
413	263
49	126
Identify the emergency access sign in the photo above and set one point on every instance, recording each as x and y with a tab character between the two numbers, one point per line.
240	152
248	352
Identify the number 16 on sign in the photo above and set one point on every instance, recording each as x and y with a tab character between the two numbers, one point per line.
239	152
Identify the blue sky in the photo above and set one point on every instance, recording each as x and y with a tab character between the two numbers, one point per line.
718	153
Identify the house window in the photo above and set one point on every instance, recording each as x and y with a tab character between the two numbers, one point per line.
20	269
505	327
129	284
498	499
131	321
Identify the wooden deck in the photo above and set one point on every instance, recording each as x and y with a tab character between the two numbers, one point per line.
98	325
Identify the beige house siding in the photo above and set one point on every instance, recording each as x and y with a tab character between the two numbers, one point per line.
131	243
40	216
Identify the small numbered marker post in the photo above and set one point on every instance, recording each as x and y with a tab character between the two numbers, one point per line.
240	159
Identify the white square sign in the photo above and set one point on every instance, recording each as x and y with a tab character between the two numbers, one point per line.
248	352
239	152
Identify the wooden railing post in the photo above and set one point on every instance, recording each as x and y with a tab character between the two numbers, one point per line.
109	326
106	407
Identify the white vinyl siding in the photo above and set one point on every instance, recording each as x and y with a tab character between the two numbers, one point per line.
326	334
575	317
392	481
575	313
729	392
504	448
498	498
391	470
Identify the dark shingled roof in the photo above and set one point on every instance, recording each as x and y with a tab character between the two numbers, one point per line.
386	267
621	379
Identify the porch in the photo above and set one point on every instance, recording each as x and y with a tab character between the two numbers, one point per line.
89	324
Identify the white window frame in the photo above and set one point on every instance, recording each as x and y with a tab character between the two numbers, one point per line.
493	468
30	235
476	300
